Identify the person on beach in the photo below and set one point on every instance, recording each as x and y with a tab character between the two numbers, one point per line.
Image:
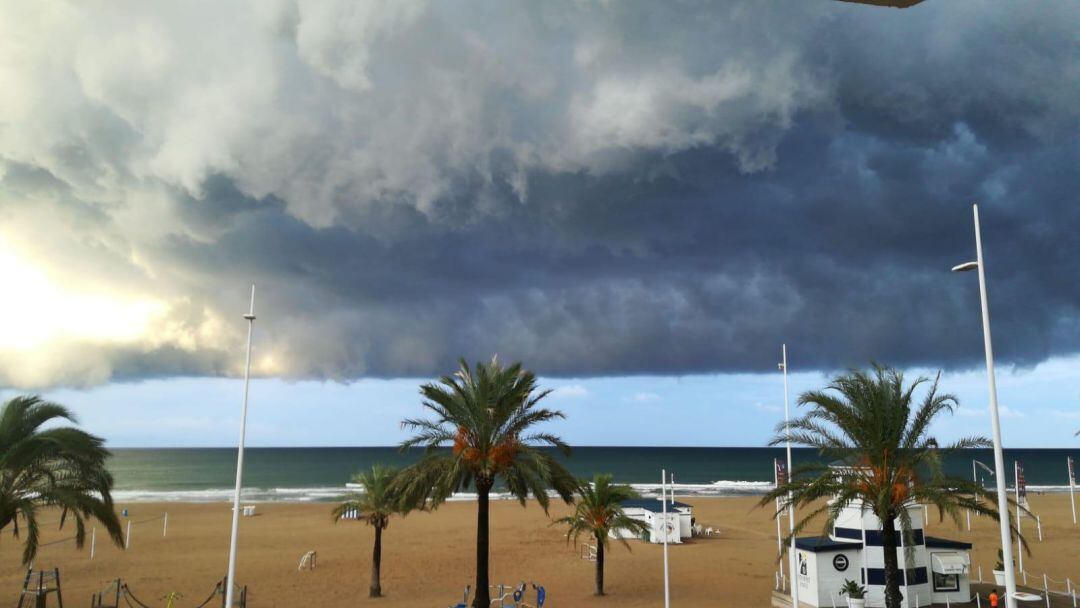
993	599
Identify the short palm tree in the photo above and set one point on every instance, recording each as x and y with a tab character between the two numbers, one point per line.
375	505
60	467
486	417
870	423
598	512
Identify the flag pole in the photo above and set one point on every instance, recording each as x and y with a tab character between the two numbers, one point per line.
664	530
1019	546
230	582
1072	487
779	534
974	480
791	508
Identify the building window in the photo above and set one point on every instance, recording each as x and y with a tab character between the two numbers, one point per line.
946	582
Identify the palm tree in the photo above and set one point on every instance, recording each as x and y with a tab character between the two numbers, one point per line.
486	416
375	505
598	512
869	422
57	467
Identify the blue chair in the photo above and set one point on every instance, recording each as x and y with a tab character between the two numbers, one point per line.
465	599
541	597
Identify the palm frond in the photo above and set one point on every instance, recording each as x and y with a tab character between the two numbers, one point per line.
61	467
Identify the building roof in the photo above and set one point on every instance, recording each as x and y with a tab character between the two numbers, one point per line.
933	542
820	544
651	504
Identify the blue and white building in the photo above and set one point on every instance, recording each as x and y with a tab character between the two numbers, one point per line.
935	571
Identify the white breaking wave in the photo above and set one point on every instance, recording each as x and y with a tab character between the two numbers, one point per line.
323	494
226	494
333	493
1049	488
716	488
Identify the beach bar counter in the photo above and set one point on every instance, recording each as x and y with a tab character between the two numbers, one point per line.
937	571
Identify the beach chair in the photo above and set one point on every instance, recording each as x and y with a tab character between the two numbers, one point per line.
541	597
464	600
308	559
504	592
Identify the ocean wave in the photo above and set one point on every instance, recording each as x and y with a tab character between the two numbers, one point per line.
1048	489
717	488
335	493
318	494
251	495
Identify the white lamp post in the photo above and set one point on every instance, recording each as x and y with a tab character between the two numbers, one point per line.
995	422
794	566
664	530
230	581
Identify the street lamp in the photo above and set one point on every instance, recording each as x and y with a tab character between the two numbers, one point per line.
995	422
230	582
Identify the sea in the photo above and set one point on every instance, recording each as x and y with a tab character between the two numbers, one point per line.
321	474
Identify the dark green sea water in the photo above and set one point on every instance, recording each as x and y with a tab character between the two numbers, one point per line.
313	474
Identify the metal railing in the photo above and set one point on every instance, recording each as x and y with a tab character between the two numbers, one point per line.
1068	591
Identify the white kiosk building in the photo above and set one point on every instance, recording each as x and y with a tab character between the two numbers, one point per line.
677	526
937	570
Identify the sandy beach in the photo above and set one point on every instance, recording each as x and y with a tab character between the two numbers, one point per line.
428	557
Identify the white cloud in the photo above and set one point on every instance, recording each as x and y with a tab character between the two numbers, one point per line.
570	391
770	408
643	397
1003	412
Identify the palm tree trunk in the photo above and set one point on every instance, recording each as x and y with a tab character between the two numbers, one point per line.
376	564
892	567
482	599
599	566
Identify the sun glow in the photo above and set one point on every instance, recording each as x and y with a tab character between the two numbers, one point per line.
37	310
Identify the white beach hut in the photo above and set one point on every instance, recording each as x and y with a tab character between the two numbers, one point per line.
937	571
677	526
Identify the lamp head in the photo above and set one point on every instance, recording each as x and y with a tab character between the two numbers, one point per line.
966	266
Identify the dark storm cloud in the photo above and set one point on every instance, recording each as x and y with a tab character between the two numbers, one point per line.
607	190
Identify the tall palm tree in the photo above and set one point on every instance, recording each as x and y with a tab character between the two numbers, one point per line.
598	512
485	415
60	467
870	423
375	505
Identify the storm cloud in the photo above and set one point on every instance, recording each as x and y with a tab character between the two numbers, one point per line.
596	188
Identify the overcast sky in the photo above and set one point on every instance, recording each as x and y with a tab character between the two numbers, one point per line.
636	199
